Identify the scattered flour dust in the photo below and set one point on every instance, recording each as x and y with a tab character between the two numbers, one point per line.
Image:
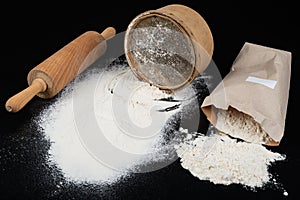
59	126
221	159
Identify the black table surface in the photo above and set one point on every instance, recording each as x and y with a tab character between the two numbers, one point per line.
31	33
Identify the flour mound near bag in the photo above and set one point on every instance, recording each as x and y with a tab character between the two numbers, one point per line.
251	101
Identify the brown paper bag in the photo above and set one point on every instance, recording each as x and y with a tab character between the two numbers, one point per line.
253	96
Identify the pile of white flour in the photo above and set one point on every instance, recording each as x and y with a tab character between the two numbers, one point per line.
60	124
221	159
124	111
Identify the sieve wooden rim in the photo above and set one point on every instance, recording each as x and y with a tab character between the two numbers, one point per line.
172	18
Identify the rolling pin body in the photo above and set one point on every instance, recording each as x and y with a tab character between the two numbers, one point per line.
53	74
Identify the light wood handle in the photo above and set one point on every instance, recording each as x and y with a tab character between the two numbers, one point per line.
108	33
18	101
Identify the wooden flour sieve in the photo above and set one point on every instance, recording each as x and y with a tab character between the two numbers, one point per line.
153	63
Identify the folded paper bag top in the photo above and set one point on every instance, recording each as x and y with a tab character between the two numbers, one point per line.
257	86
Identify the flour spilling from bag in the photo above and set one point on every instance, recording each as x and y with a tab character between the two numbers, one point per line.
247	111
253	95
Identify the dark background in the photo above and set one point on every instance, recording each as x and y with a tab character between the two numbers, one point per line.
31	33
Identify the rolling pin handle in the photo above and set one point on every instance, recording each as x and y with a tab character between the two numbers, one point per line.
108	33
18	101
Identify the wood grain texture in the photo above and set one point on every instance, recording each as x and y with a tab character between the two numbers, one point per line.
64	65
53	74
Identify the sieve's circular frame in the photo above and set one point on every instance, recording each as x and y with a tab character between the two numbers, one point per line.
191	24
134	63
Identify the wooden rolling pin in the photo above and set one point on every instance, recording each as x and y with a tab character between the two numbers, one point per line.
53	74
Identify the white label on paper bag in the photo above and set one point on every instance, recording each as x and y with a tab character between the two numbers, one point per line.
266	82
